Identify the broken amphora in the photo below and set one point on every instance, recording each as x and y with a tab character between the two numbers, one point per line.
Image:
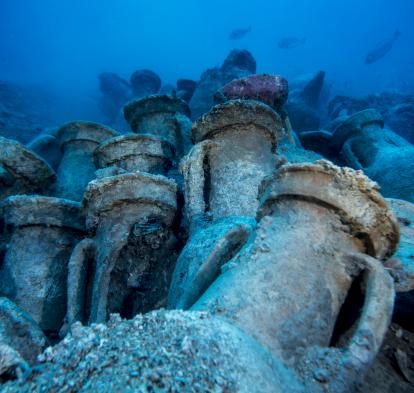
78	140
125	267
34	271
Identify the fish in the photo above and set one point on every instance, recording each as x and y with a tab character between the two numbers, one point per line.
378	53
291	42
239	33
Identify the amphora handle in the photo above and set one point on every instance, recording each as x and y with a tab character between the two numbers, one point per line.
340	369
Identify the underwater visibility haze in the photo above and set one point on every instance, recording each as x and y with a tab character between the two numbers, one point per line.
207	196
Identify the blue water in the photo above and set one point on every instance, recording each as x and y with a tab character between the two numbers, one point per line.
63	45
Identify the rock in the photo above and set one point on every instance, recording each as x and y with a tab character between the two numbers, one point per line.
270	89
20	331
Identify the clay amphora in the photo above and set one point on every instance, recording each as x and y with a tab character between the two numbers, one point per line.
164	116
34	271
129	253
383	155
131	152
21	170
321	228
234	151
78	140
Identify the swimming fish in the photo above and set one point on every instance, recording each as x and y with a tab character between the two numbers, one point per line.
290	42
239	33
382	49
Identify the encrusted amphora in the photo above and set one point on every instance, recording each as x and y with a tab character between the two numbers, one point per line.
34	271
322	230
126	264
234	151
78	140
164	116
383	155
22	171
132	152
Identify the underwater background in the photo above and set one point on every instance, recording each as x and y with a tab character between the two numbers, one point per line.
60	47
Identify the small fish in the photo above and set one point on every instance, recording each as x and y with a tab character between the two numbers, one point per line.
382	49
291	42
239	33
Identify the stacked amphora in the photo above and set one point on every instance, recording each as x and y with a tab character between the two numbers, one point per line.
384	156
234	151
125	265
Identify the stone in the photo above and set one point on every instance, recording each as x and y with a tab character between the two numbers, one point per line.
20	331
271	89
34	271
78	140
161	115
126	264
